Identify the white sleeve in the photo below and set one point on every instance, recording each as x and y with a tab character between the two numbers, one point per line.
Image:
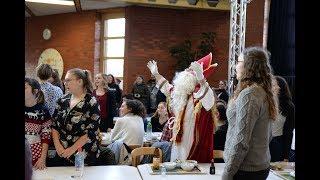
164	86
205	96
116	132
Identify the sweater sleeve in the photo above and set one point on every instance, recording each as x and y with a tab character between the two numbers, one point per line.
247	112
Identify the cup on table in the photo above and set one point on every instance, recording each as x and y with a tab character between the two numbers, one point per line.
156	162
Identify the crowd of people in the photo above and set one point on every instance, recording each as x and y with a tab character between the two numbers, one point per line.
252	126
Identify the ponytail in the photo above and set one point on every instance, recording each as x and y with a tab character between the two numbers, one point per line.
87	81
85	75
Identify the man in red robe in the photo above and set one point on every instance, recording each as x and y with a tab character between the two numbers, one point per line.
191	102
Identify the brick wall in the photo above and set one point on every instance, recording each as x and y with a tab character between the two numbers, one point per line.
156	30
73	35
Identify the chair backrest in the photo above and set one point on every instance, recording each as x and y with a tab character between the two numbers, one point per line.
136	153
217	154
134	146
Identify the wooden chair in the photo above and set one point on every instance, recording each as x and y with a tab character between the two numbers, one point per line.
217	154
134	146
136	153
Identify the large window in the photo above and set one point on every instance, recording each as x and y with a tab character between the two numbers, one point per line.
113	46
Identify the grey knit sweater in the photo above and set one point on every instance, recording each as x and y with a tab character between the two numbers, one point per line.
249	133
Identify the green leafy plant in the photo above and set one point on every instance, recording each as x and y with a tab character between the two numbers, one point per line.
184	54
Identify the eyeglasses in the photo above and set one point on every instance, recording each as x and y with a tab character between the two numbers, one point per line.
68	80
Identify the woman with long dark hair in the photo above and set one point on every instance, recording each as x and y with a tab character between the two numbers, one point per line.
251	111
282	128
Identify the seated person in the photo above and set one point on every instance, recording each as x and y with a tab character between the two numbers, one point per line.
221	128
37	123
129	127
159	118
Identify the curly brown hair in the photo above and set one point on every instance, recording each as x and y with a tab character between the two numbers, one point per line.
257	70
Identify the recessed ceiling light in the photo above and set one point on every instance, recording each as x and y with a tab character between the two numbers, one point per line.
59	2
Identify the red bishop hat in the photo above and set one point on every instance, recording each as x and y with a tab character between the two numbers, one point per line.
208	68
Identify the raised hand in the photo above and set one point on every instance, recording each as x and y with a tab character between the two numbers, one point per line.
152	65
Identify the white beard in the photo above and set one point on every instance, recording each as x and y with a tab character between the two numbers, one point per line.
183	85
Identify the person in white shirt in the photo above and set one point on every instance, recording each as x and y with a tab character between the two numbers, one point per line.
129	127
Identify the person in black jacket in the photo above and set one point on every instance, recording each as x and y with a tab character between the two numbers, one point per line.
222	91
114	86
141	92
107	102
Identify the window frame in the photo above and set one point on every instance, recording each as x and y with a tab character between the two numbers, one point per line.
110	14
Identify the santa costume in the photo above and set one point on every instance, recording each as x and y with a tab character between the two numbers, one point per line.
192	106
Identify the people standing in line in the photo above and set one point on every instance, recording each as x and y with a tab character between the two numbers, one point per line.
107	102
282	127
76	121
37	123
141	92
51	93
251	111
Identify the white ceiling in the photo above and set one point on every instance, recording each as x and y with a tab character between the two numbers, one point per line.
41	9
100	4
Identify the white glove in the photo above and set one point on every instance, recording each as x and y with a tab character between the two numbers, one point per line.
152	65
198	69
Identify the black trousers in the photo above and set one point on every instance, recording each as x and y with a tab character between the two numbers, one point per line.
256	175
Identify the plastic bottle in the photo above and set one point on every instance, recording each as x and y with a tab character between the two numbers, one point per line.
149	130
79	163
163	172
212	168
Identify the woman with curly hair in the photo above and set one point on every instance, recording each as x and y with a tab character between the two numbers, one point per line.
251	111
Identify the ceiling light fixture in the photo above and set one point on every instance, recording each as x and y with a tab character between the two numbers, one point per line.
59	2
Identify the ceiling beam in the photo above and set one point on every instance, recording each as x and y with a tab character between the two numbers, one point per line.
77	3
222	5
29	11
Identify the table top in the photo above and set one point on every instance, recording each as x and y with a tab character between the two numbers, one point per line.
90	173
145	170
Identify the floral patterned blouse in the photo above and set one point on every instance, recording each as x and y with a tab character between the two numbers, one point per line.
83	118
